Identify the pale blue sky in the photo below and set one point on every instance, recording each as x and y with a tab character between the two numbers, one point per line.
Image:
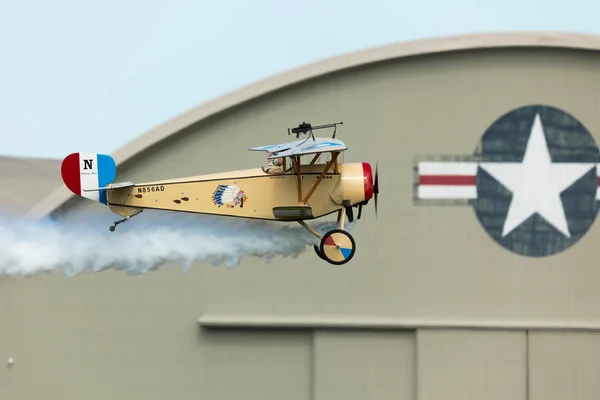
91	76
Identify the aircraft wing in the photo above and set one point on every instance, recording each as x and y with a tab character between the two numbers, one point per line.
302	147
319	145
278	147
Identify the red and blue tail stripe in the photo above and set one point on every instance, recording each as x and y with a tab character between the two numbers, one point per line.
84	173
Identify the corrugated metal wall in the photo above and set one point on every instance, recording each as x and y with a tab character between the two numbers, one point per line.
423	364
109	335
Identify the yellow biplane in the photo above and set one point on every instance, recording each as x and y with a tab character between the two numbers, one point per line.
305	179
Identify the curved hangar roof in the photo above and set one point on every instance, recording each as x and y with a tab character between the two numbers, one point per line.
41	177
383	53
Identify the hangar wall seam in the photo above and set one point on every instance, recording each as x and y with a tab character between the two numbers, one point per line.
238	321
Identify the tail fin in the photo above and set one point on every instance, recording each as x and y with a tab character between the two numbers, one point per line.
85	173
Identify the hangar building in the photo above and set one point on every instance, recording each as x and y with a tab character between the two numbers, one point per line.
478	280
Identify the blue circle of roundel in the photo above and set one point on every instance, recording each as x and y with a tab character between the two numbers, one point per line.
537	181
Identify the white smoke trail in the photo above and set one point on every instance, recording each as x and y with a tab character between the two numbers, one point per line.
144	244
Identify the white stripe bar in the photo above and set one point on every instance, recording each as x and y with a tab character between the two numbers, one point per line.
448	168
447	192
89	176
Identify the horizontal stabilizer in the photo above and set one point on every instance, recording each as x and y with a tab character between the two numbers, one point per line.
86	174
119	185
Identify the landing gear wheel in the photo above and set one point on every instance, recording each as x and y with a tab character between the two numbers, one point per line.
337	247
112	228
317	251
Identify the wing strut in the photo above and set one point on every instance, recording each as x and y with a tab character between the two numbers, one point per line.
314	186
296	161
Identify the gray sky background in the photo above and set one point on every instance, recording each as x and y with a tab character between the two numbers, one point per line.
91	76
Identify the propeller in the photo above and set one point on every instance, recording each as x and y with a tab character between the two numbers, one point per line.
376	187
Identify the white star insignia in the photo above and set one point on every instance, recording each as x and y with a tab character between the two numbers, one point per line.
536	183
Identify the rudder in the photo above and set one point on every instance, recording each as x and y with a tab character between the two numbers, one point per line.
84	173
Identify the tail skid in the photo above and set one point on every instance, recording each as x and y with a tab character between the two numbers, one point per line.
114	226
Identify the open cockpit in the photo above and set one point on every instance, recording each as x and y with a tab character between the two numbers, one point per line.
307	155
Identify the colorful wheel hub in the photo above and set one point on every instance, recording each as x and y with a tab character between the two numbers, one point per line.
337	247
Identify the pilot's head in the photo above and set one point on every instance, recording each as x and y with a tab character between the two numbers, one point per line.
278	162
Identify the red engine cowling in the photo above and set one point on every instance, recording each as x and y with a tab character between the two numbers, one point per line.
355	185
368	181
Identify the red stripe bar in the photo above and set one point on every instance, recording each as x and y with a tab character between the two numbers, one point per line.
448	180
